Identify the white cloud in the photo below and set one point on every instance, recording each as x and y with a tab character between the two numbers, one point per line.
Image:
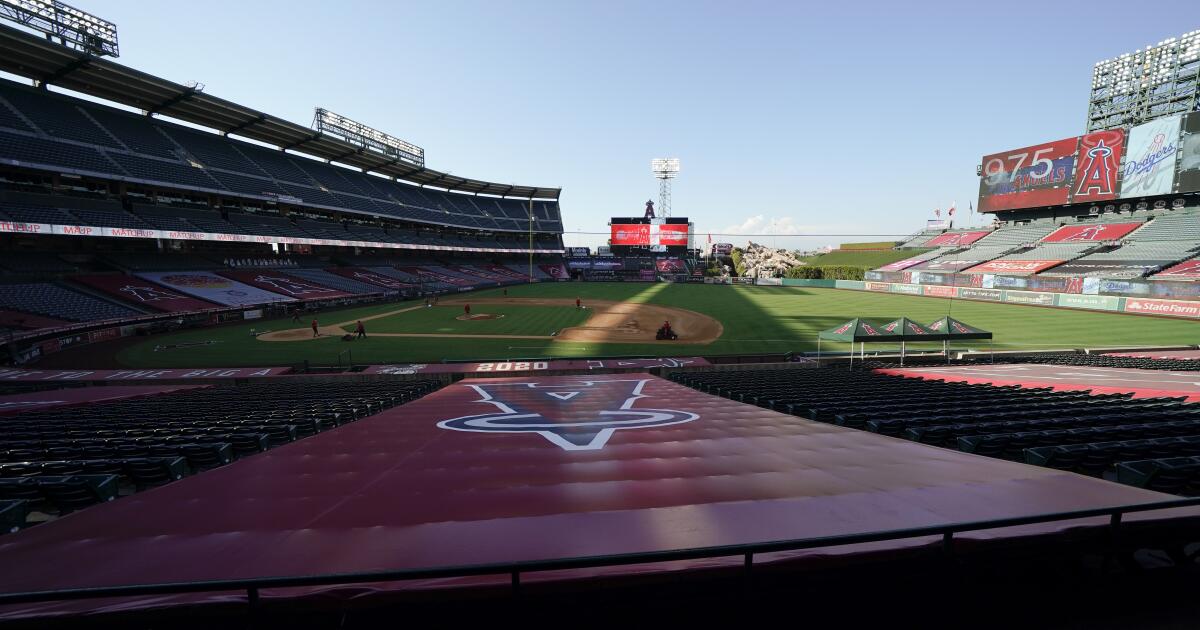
760	224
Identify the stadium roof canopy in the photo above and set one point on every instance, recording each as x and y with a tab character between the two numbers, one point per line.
31	56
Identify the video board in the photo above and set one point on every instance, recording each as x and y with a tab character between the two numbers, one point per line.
661	235
1156	158
1039	175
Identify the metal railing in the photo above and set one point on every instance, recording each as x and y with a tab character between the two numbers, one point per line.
514	570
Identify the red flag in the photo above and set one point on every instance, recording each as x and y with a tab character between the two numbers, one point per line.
951	211
710	238
937	212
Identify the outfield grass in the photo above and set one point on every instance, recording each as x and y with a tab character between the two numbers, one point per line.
755	319
861	258
515	320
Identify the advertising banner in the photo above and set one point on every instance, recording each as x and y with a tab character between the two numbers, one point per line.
142	293
1124	287
849	284
1188	179
937	224
214	288
1150	158
929	277
1029	297
956	239
579	263
945	292
1091	286
669	235
613	264
627	234
137	375
1060	284
1186	269
1090	233
1026	178
670	265
769	282
878	286
722	249
1099	162
1175	289
579	252
992	295
12	227
907	289
1174	308
1093	302
1009	282
969	280
277	282
1015	267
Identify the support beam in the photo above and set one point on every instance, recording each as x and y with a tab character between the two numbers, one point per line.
79	63
249	123
178	98
315	136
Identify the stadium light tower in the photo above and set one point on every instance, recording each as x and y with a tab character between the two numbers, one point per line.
1158	81
73	28
665	169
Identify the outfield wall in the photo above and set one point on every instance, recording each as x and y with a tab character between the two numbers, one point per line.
1110	303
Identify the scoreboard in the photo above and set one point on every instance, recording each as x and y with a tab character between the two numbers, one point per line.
631	236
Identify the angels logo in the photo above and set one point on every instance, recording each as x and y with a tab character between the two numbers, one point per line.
1099	154
575	416
289	286
1089	233
143	293
382	281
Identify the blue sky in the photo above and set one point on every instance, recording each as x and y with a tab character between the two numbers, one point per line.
839	118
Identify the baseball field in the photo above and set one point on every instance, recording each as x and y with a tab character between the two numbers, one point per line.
620	319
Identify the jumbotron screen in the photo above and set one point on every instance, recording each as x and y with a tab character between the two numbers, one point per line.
644	233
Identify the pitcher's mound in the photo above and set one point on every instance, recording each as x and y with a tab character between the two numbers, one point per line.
474	316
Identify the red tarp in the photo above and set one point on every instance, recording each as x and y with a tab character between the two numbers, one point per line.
143	293
1100	380
555	271
20	403
370	277
1089	233
612	465
1014	267
1189	269
501	270
429	275
283	284
956	239
29	321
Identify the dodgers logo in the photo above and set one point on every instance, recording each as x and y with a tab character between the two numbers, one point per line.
579	416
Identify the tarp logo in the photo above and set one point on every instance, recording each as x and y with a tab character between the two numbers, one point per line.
1098	176
149	294
579	416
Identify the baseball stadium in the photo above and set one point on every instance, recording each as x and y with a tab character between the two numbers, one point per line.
259	373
